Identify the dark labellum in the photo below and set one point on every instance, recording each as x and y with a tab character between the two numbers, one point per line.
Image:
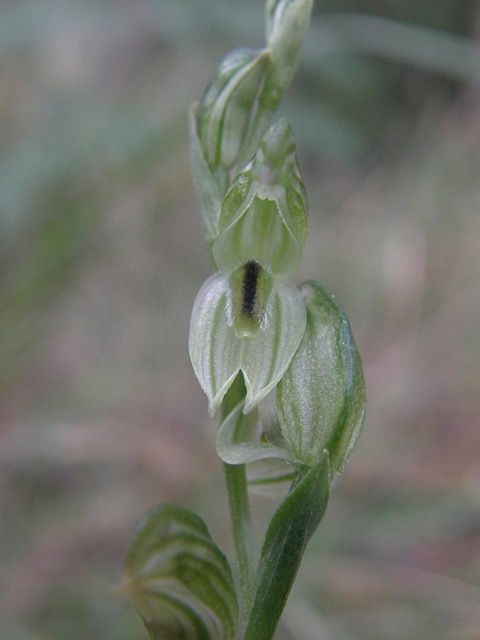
250	283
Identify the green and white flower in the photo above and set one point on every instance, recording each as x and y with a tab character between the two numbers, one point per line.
218	353
264	212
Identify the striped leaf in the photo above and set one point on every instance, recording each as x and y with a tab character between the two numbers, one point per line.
179	579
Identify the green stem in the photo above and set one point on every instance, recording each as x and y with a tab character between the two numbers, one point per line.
236	480
242	529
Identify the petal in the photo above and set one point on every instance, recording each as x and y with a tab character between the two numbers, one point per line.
266	357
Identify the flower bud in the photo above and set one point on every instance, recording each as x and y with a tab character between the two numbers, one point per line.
287	22
229	104
264	212
321	397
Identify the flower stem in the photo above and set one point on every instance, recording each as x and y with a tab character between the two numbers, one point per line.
236	481
242	529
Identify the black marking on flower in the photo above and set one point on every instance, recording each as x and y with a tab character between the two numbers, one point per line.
250	284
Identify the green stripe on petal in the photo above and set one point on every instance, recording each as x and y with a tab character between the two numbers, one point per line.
217	354
178	579
250	289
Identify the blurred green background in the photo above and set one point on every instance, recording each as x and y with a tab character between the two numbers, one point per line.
101	254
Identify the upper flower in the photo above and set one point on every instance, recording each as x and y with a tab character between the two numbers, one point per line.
264	212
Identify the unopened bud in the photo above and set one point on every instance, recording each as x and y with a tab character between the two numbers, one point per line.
321	397
229	105
287	23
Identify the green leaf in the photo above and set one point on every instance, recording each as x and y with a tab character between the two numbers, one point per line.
178	578
287	536
264	212
217	354
321	397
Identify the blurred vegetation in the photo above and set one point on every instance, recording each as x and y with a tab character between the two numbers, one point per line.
101	254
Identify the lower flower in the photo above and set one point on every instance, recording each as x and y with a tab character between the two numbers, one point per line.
218	353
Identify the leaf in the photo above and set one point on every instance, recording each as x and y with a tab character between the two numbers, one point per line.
178	579
287	536
217	354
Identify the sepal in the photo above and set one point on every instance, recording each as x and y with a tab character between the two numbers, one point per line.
210	187
270	477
